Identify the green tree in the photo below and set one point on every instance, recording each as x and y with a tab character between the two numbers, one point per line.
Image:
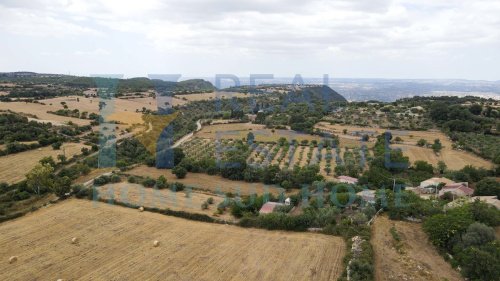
421	142
39	178
250	138
476	109
423	166
61	186
48	160
442	228
179	171
437	146
61	158
178	155
56	145
441	166
481	264
161	182
478	234
487	187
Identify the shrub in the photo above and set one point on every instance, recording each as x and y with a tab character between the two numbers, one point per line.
132	179
481	263
23	195
210	200
148	182
115	178
177	186
56	145
487	187
478	234
102	180
82	192
179	171
161	182
204	206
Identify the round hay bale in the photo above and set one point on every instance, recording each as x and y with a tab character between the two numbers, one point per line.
74	240
12	259
156	243
141	209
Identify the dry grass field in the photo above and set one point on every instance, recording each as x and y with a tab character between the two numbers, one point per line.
207	182
454	159
183	99
416	258
162	199
14	167
40	111
116	243
241	130
122	110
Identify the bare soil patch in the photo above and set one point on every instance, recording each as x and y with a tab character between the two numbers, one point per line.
416	258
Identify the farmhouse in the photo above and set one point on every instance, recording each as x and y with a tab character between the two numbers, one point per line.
348	180
435	182
268	207
429	185
460	189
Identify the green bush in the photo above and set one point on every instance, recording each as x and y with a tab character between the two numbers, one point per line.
102	180
132	179
148	182
115	178
177	186
478	234
19	196
179	171
161	182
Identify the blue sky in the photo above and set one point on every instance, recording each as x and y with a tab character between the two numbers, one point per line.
343	38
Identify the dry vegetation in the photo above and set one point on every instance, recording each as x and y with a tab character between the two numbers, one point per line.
14	167
413	258
116	243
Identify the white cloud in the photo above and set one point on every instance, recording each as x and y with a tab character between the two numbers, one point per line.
374	30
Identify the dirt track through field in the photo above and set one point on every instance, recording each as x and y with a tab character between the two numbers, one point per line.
116	243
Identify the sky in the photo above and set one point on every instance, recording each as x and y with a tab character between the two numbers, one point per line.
410	39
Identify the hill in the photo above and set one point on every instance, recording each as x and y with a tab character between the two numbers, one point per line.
314	94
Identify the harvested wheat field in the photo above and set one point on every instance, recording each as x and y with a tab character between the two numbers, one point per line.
414	258
14	167
207	182
138	195
116	243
